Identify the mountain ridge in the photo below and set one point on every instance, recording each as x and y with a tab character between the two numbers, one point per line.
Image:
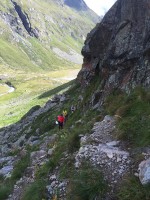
31	26
40	41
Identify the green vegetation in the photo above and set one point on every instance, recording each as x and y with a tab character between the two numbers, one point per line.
131	188
31	89
3	89
87	183
36	191
5	189
94	85
29	63
6	186
134	110
20	167
68	141
133	113
57	26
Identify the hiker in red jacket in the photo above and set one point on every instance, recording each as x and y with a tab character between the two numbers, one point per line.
61	120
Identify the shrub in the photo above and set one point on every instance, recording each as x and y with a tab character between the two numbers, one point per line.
20	167
36	191
133	189
73	141
44	170
134	109
86	184
5	190
6	186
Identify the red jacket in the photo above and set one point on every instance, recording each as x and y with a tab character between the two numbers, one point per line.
60	118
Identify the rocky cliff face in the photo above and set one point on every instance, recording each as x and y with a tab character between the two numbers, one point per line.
118	48
118	51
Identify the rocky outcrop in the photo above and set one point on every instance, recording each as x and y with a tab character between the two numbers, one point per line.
144	171
25	20
118	48
102	151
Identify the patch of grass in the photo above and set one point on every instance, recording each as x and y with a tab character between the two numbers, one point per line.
5	190
36	191
95	84
30	148
131	188
134	110
68	140
3	89
114	102
65	171
28	89
20	167
14	152
16	59
44	170
73	142
6	185
87	183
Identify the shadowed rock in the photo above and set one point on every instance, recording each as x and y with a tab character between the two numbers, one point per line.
118	48
25	20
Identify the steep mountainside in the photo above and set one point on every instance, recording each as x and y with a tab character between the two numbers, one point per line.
42	35
36	39
103	150
118	47
79	5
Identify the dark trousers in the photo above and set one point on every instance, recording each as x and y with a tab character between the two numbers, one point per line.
60	125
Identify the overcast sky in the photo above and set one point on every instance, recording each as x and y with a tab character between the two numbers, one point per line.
100	6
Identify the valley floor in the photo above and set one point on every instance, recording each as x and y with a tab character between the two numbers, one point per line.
28	88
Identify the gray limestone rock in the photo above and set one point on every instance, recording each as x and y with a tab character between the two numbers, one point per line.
6	170
102	151
38	156
144	171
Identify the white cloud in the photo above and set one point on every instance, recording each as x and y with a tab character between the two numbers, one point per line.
100	6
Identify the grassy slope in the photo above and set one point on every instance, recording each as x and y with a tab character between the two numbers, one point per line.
28	62
55	24
28	89
130	108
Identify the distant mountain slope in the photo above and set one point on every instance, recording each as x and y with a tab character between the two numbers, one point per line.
42	35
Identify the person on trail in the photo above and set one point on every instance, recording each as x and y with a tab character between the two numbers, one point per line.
60	119
65	114
73	108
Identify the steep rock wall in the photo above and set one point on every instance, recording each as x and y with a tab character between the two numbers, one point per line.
118	48
25	20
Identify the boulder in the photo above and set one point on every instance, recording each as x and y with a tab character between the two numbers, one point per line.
144	171
6	170
38	156
50	152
